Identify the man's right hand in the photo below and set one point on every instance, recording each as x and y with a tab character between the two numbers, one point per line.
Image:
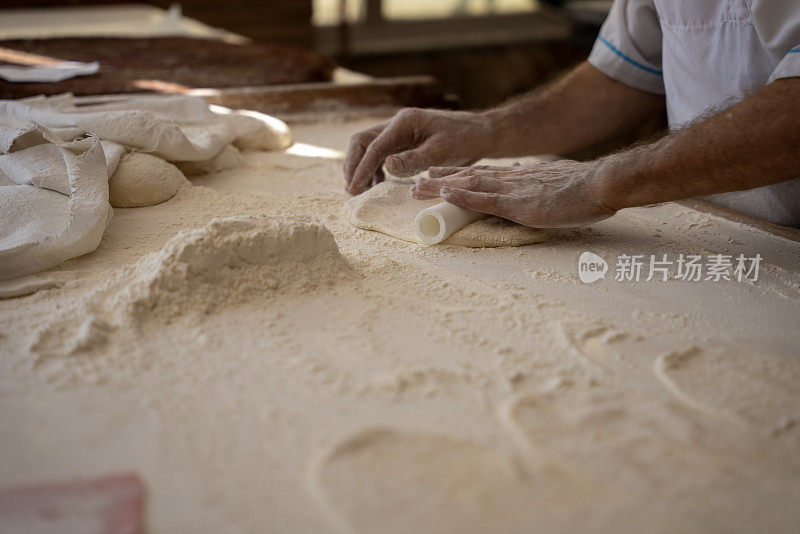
414	140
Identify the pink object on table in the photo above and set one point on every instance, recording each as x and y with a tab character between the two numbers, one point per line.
105	505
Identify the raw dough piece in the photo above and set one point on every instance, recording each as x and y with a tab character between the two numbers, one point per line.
760	389
143	180
391	481
274	136
388	208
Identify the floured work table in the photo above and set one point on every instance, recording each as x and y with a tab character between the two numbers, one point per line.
354	382
349	394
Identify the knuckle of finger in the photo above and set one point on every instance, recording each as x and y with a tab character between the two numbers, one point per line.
407	113
359	140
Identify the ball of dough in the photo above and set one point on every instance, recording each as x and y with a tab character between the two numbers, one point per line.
273	135
143	180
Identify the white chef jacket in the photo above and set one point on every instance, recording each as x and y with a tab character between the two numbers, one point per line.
706	55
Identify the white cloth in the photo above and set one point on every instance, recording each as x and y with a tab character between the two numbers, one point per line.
705	55
56	72
42	227
57	154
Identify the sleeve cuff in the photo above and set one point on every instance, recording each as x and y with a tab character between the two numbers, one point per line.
789	67
619	66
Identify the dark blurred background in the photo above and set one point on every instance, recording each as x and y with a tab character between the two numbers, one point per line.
482	51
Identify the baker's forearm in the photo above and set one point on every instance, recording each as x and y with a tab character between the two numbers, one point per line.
582	108
752	144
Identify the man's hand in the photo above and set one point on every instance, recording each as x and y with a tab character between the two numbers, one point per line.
580	109
412	141
546	195
751	144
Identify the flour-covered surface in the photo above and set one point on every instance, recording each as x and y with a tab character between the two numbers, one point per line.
264	366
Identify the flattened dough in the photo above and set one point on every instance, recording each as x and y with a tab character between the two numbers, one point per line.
762	390
388	208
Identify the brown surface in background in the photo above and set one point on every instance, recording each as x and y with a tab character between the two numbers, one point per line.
267	21
481	77
285	22
171	64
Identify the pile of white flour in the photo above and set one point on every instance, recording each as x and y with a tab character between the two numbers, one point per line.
266	366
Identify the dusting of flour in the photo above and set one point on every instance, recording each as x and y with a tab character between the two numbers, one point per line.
227	261
264	365
761	390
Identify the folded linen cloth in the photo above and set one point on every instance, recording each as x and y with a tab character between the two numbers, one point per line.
55	72
57	155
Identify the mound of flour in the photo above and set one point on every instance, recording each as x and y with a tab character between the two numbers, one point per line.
226	262
229	260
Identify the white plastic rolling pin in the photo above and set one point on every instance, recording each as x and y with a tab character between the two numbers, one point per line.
437	223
